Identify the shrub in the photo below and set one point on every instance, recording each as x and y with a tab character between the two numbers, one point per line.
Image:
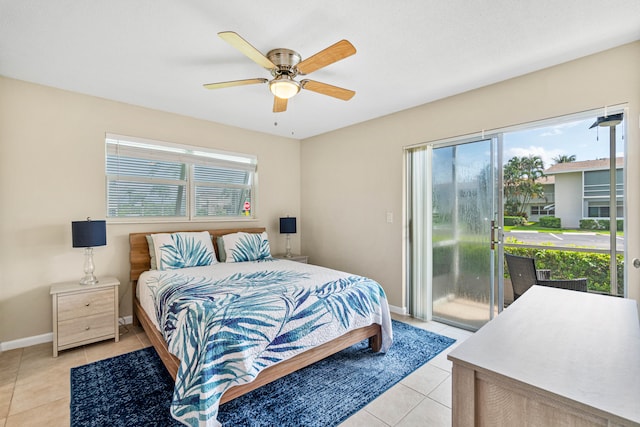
572	265
589	224
599	224
549	222
604	224
514	220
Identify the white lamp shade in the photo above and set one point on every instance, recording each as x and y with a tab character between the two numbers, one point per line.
284	87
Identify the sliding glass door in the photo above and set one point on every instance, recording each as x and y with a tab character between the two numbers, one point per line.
575	217
561	185
453	217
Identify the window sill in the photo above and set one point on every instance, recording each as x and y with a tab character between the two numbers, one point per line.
117	221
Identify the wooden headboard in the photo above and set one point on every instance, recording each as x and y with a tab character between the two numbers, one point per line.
139	248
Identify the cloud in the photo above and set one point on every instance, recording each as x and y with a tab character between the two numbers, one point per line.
560	129
552	132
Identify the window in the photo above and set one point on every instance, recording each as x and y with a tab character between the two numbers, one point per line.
596	183
601	209
151	179
598	211
542	210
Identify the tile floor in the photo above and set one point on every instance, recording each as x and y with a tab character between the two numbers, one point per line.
34	387
422	398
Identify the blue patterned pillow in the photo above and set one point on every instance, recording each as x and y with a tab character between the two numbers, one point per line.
241	247
182	250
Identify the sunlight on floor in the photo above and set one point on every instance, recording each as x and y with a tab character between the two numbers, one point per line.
463	311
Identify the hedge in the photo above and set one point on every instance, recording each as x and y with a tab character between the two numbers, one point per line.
599	224
514	220
564	264
572	265
549	222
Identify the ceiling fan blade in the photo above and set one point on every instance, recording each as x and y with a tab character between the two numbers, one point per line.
279	104
326	89
221	85
245	47
333	53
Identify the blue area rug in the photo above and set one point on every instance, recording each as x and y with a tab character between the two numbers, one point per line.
135	389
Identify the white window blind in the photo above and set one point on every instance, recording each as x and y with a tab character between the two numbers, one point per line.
152	179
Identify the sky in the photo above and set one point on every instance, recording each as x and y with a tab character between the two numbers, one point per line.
570	138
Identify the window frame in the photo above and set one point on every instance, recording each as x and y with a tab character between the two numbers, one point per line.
541	211
190	156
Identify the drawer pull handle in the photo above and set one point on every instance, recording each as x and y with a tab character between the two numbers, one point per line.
87	304
87	328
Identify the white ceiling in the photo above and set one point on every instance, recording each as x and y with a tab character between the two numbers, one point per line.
158	53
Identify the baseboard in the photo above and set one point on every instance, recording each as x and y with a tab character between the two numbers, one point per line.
398	310
40	339
26	342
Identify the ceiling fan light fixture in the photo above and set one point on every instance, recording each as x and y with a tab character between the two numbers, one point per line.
284	87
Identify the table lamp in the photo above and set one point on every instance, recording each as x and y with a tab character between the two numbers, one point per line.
288	227
89	234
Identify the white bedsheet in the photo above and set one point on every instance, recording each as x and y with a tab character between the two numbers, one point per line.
218	271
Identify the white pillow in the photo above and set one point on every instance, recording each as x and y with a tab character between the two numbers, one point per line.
182	250
240	247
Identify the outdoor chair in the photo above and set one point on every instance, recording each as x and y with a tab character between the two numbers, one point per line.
524	274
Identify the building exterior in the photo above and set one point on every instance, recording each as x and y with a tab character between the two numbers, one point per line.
578	190
545	205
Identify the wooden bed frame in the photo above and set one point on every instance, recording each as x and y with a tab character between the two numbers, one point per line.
141	261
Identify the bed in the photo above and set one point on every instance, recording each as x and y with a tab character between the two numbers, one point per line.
323	340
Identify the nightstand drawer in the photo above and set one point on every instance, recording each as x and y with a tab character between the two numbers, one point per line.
83	314
85	304
85	328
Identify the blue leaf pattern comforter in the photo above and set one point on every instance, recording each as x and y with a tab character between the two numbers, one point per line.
227	322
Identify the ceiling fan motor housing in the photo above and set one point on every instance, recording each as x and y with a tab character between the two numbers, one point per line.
285	61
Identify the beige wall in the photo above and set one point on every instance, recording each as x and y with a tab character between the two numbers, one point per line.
352	177
52	172
341	184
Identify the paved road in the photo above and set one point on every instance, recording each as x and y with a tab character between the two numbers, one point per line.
583	240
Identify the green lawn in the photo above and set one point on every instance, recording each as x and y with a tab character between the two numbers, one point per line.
533	226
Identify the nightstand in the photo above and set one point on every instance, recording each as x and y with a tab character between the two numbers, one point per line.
298	258
83	314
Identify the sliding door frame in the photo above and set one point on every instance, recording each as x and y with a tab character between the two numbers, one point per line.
419	279
498	270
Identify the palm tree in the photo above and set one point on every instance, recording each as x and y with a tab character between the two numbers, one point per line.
565	158
521	183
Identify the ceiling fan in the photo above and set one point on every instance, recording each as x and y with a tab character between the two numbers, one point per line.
284	65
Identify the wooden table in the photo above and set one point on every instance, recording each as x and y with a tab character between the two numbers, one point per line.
553	357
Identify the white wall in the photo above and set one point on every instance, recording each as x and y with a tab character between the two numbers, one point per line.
52	172
545	200
569	199
353	176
